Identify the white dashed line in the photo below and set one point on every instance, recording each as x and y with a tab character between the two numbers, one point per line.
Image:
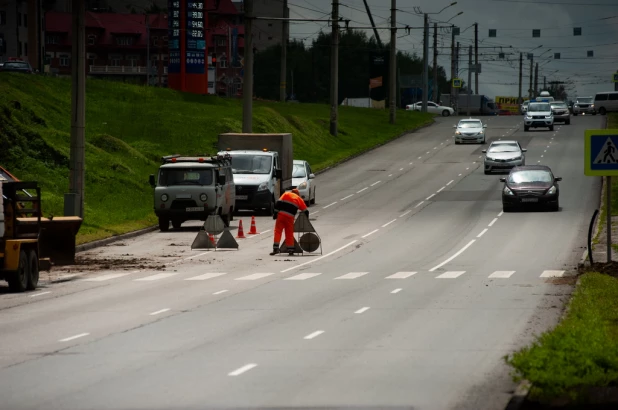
411	163
401	275
482	233
401	169
397	290
462	250
407	212
450	182
552	274
375	183
158	312
266	231
255	276
362	310
390	175
501	213
467	169
441	189
347	197
207	276
370	233
242	370
429	152
68	339
493	222
501	274
542	156
313	335
364	189
352	275
419	204
303	276
435	147
387	224
220	292
194	256
420	157
459	175
319	258
430	196
39	294
327	206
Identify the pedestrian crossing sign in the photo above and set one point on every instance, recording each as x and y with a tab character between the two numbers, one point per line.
601	153
457	83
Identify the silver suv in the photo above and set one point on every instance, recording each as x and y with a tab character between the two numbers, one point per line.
539	115
584	105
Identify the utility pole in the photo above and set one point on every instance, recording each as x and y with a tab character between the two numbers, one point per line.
544	83
476	58
531	71
521	67
469	77
425	62
536	80
392	75
284	53
334	69
457	75
452	62
247	92
375	30
435	62
74	200
147	48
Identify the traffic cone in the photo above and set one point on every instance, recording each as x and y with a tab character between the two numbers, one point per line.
241	231
253	230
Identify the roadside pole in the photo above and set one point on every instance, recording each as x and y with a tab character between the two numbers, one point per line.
392	75
608	207
247	89
334	69
284	53
521	66
425	62
469	77
476	58
435	63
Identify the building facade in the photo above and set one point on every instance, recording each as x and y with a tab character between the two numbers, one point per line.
265	33
13	29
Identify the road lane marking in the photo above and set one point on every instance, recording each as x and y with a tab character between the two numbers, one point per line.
370	233
406	212
552	274
435	147
207	276
242	370
451	275
255	276
411	163
158	276
220	292
375	183
328	206
401	169
313	335
401	275
430	196
362	310
467	169
501	213
158	312
420	157
40	294
364	189
450	182
493	222
542	156
545	151
419	204
396	290
429	152
387	224
352	275
194	256
482	233
347	197
441	189
321	257
68	339
390	175
459	175
266	231
303	276
135	271
462	250
501	274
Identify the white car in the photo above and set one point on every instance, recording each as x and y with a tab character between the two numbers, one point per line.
470	130
503	156
304	180
432	107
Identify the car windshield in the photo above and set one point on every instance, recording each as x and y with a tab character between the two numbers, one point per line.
539	107
504	148
470	124
530	176
13	64
586	100
558	105
299	171
185	176
251	164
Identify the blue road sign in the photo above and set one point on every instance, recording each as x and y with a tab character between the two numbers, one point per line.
601	153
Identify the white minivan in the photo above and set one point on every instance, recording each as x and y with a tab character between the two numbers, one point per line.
606	102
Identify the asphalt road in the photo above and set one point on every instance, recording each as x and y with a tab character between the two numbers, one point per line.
422	287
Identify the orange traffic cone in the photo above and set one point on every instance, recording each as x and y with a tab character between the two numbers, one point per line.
212	238
241	231
253	230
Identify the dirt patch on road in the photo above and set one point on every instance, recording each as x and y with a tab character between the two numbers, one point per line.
89	264
610	269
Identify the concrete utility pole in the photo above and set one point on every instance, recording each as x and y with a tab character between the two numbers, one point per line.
544	83
536	80
476	58
435	63
452	62
147	48
521	67
284	53
375	30
392	75
457	75
247	92
469	77
74	200
334	69
425	62
531	71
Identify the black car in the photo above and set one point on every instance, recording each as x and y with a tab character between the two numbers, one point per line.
16	67
530	185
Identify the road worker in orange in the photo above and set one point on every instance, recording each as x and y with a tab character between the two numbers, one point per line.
285	211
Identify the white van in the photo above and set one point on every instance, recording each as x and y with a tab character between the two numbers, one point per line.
606	102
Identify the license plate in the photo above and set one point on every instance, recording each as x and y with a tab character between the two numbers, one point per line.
183	196
196	209
242	197
530	200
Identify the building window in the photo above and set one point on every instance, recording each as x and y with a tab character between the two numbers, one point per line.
114	59
155	41
2	17
124	41
221	42
65	60
223	62
52	39
133	60
92	40
91	58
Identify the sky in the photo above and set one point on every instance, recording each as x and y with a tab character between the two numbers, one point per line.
513	21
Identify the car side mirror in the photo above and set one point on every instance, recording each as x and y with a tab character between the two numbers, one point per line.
524	150
484	125
152	181
558	179
221	180
502	179
484	151
278	174
311	176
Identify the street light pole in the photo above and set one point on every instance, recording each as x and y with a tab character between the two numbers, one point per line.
284	53
247	107
392	76
147	49
334	69
425	62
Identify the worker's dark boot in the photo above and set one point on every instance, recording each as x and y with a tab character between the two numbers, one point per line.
290	253
275	251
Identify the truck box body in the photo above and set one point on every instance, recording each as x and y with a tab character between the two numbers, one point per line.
479	104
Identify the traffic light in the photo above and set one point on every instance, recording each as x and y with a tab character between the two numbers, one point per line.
213	57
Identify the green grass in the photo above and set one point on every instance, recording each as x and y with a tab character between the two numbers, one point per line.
582	351
128	129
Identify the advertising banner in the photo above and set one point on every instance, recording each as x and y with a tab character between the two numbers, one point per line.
510	104
196	39
173	7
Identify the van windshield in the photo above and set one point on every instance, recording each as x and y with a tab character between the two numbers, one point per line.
251	164
185	176
584	100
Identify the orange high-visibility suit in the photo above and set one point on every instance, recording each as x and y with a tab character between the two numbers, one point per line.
286	209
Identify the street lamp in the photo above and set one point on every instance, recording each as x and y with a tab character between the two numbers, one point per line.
458	14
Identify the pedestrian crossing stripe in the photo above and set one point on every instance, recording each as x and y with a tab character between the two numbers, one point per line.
601	153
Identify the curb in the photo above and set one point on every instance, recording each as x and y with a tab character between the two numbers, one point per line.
520	395
95	244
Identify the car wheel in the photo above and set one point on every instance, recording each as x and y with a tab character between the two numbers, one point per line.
18	280
526	128
33	278
555	207
568	122
575	114
312	200
270	211
602	111
551	127
176	224
446	113
484	141
164	224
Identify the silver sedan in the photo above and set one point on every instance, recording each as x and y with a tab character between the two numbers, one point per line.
503	155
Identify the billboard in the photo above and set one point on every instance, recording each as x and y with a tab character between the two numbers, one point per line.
510	104
196	39
173	7
378	75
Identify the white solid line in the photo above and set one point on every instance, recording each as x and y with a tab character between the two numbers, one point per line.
450	275
158	312
450	182
352	275
441	189
364	189
493	222
405	213
370	233
74	337
362	310
255	276
313	335
206	276
327	206
397	290
219	292
347	197
135	271
268	230
387	224
195	256
242	370
501	274
430	196
39	294
462	250
401	275
375	183
156	277
303	276
482	233
501	213
419	204
552	274
321	257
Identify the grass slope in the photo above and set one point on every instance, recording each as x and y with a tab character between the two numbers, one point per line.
128	129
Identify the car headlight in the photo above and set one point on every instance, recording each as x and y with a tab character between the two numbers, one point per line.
203	197
490	159
549	117
164	197
507	191
303	185
528	117
592	106
263	186
552	190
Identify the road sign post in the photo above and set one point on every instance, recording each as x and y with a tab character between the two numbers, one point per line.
601	159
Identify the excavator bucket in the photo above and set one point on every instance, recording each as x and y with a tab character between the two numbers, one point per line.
57	240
